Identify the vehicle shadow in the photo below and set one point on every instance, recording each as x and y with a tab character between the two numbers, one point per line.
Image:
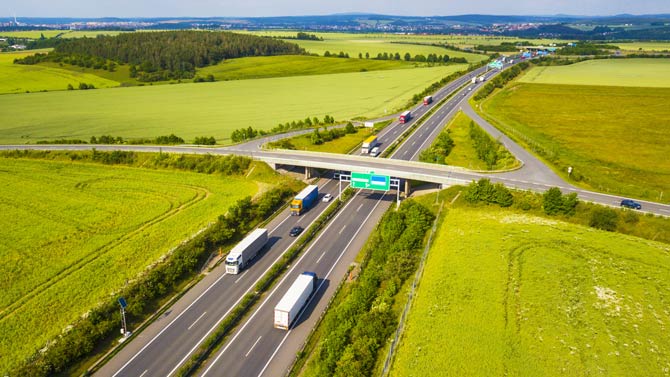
306	312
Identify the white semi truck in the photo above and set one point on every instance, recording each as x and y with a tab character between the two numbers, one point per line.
289	307
245	251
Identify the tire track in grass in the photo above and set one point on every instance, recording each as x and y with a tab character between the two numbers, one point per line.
201	194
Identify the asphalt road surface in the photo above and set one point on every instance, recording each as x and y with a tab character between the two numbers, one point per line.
168	342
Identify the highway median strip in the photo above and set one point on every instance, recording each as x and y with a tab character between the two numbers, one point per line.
242	309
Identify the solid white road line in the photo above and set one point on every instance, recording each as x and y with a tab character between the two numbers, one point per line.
286	274
196	321
252	347
322	282
229	310
240	278
168	326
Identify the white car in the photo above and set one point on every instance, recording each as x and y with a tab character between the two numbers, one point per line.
374	152
327	198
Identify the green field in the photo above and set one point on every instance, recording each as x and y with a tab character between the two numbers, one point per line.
614	72
209	109
74	232
17	78
463	41
615	138
342	145
289	65
464	153
36	34
510	294
644	46
355	46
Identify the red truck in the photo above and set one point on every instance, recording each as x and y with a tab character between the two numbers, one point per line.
427	100
405	117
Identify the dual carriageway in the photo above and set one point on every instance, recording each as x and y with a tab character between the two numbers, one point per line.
256	348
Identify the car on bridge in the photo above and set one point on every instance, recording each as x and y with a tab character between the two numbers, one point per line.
629	203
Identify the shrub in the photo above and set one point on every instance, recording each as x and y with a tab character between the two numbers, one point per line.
604	218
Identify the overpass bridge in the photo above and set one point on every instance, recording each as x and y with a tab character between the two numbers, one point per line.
414	170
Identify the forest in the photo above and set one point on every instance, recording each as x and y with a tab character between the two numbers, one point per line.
164	55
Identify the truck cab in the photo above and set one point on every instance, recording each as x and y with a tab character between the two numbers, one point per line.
233	264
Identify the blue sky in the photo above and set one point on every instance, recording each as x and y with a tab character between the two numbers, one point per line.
237	8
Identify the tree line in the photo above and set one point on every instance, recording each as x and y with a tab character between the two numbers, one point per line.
248	133
360	325
166	55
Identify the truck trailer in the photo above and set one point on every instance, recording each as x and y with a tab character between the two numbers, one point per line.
368	144
405	117
245	251
294	300
304	200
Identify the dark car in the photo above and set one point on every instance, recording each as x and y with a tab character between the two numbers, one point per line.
295	231
628	203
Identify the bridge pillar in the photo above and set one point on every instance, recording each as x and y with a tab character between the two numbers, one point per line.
407	190
310	172
272	165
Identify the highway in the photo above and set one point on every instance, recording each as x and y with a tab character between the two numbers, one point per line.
166	343
256	347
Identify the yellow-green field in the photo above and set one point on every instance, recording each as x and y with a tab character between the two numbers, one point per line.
615	138
35	34
505	293
209	109
462	41
74	232
290	65
613	72
373	47
18	78
644	46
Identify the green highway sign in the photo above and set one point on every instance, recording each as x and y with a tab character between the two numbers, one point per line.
370	181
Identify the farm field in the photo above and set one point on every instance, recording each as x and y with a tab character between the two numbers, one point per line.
463	41
35	34
73	233
505	293
615	138
613	72
291	65
644	46
355	46
209	109
17	78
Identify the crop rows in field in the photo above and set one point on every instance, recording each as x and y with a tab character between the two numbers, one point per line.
505	293
74	233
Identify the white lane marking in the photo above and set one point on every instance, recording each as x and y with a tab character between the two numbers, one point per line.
286	275
359	207
319	260
196	321
170	324
240	278
231	308
405	152
342	230
143	373
252	347
414	142
320	285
